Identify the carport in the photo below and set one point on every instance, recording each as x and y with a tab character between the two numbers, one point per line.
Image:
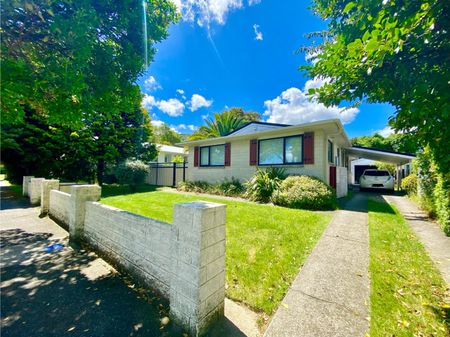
398	158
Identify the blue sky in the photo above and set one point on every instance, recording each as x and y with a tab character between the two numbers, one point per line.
242	53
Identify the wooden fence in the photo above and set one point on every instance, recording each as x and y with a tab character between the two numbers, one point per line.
166	174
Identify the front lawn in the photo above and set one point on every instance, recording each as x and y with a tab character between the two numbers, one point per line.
408	293
266	245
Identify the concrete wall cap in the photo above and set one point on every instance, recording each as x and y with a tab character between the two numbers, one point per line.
201	204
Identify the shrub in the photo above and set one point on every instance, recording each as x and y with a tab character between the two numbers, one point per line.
229	188
262	185
409	184
195	186
305	192
131	172
441	196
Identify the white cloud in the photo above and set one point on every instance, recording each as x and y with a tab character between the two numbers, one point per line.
293	106
173	107
387	131
198	101
315	83
157	123
150	84
205	12
180	128
258	34
180	91
148	101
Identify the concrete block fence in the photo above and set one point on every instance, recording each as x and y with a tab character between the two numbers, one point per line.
185	260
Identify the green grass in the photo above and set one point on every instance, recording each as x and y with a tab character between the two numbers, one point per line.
266	245
408	293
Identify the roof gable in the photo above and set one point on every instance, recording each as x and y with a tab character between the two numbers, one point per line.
253	127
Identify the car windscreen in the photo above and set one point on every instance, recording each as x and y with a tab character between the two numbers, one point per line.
376	173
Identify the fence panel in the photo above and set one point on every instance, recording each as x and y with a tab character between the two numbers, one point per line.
166	174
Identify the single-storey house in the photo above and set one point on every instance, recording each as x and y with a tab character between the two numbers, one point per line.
316	149
166	153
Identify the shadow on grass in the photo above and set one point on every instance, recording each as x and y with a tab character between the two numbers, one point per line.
111	190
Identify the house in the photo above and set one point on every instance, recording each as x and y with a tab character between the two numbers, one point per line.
166	153
316	149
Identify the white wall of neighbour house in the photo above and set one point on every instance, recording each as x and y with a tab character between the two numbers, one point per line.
59	206
241	169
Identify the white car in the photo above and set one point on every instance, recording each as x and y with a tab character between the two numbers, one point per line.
376	179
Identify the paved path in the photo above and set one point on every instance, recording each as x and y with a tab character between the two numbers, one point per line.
436	243
330	296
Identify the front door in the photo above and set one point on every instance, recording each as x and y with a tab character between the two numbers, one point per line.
333	176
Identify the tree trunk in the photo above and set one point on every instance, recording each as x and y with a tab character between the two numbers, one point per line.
100	171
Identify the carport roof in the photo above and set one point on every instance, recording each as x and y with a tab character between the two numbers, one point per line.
393	157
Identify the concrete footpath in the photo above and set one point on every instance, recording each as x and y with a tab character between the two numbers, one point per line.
330	296
436	243
72	292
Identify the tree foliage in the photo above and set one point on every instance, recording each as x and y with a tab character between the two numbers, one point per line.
163	134
68	59
398	142
70	105
224	123
395	52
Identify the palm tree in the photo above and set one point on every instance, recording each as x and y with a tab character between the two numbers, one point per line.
223	123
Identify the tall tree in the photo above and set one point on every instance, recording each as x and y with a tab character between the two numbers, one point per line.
390	51
395	142
163	134
72	65
224	123
66	59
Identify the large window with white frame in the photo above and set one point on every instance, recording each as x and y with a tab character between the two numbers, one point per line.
212	155
281	151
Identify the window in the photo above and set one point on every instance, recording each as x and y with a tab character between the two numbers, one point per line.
330	152
281	151
212	155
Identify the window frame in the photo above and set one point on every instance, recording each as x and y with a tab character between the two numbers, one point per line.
209	155
302	144
330	155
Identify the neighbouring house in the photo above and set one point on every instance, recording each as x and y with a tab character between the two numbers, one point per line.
321	149
166	153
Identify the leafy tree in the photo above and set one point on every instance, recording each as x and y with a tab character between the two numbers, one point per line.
390	51
376	141
391	168
68	92
178	159
35	147
163	134
395	142
68	59
224	123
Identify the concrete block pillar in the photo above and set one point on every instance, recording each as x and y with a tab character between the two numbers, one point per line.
47	186
79	194
25	185
35	190
197	286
